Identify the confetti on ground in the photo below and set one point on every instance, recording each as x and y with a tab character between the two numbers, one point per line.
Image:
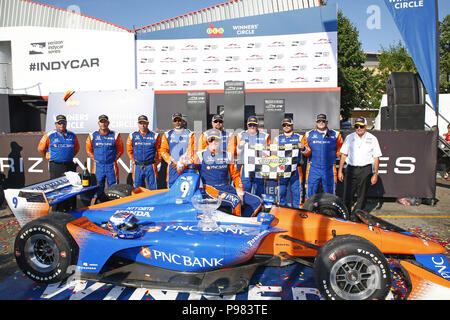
427	235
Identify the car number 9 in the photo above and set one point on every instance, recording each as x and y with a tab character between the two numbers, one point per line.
184	188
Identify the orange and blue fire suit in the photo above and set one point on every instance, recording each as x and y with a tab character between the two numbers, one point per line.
249	179
295	181
322	149
143	151
105	150
215	173
59	148
228	142
175	144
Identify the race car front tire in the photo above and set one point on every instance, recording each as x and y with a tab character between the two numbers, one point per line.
327	204
44	249
349	267
116	191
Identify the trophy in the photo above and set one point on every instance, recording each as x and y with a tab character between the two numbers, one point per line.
207	206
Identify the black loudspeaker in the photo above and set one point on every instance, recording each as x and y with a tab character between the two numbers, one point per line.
403	117
404	88
197	104
387	119
234	104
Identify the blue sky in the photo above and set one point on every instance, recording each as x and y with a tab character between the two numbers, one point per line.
374	23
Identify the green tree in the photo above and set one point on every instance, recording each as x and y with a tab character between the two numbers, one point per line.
394	58
444	54
352	77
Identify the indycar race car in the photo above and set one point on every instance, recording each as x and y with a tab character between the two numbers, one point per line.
175	239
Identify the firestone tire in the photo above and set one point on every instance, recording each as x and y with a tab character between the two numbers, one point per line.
351	268
45	250
116	191
327	204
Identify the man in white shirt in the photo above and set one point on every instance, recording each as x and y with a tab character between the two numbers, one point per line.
361	152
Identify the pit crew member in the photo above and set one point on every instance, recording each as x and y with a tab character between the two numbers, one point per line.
143	150
105	147
59	147
176	144
296	179
228	138
323	146
252	136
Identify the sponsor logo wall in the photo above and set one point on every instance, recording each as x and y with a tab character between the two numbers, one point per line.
289	50
266	62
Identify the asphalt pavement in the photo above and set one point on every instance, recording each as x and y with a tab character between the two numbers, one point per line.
431	222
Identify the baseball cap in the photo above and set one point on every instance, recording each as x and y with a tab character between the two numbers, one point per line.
103	117
177	115
361	121
60	117
213	133
217	117
142	118
288	121
252	119
321	116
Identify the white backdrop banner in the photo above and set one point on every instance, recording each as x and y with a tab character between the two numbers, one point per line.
55	60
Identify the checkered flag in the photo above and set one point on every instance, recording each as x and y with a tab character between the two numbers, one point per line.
272	161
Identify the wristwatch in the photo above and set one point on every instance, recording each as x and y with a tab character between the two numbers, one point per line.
376	172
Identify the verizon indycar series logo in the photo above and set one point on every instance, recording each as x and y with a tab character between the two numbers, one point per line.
50	47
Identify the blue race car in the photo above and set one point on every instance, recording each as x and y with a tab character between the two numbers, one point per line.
176	239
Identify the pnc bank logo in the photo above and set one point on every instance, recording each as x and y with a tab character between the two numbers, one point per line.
215	32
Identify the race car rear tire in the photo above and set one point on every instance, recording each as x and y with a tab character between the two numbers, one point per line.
327	204
45	250
349	267
116	191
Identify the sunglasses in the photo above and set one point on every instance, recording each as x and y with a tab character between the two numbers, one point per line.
218	121
287	125
252	125
177	120
213	139
321	121
62	122
357	126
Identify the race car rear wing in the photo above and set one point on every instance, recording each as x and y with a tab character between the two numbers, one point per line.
34	201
